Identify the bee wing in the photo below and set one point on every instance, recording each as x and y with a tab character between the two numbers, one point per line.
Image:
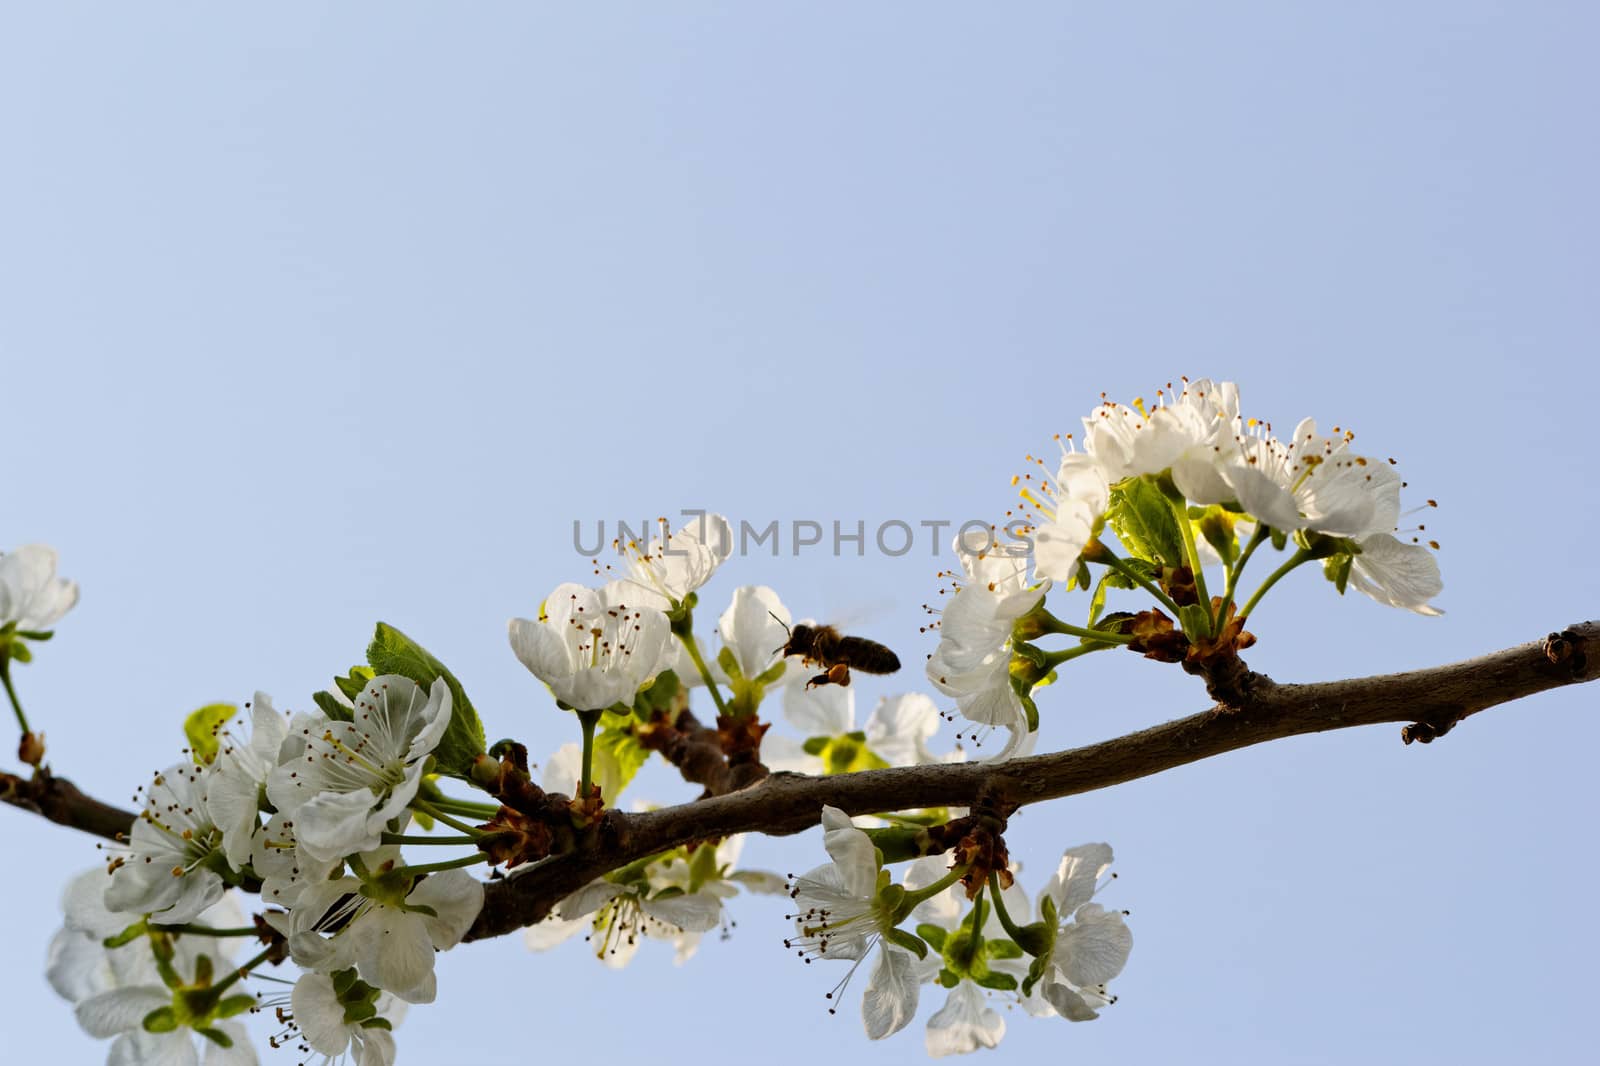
855	617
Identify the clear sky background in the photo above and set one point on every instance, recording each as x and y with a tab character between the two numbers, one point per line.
312	317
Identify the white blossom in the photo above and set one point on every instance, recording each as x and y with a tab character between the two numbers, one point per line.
319	1014
754	628
168	869
1316	483
973	660
840	917
966	1022
343	782
31	596
113	989
1091	944
236	785
594	647
615	915
390	942
284	868
676	898
1187	433
672	565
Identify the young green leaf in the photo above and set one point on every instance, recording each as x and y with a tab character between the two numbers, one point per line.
392	652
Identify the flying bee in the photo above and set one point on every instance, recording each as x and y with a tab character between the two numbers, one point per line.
837	653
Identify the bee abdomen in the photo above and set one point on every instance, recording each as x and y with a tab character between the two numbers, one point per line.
866	655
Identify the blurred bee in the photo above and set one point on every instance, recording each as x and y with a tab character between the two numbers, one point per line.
837	653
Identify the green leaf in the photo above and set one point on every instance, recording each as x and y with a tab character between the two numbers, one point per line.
216	1036
329	705
659	695
624	747
352	683
1143	519
1097	602
200	728
1194	620
933	934
392	652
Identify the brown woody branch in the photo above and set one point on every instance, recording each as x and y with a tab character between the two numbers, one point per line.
1428	702
64	803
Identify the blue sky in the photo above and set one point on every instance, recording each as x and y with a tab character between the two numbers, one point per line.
313	317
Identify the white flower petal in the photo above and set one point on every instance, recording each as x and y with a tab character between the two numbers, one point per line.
139	1048
456	898
1073	883
117	1010
750	631
319	1014
240	1054
823	711
1093	948
1397	574
890	1001
852	851
964	1024
697	912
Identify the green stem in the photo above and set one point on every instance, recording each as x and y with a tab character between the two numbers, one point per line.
974	943
916	896
240	971
16	704
1191	551
1237	569
435	867
440	816
1054	659
1111	559
1056	625
705	672
1013	930
1301	556
206	930
587	720
466	808
414	838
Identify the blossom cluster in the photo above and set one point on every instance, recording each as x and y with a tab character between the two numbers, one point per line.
1188	486
1056	964
320	815
307	810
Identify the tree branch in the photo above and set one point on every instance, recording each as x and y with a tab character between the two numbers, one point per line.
64	803
1429	702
